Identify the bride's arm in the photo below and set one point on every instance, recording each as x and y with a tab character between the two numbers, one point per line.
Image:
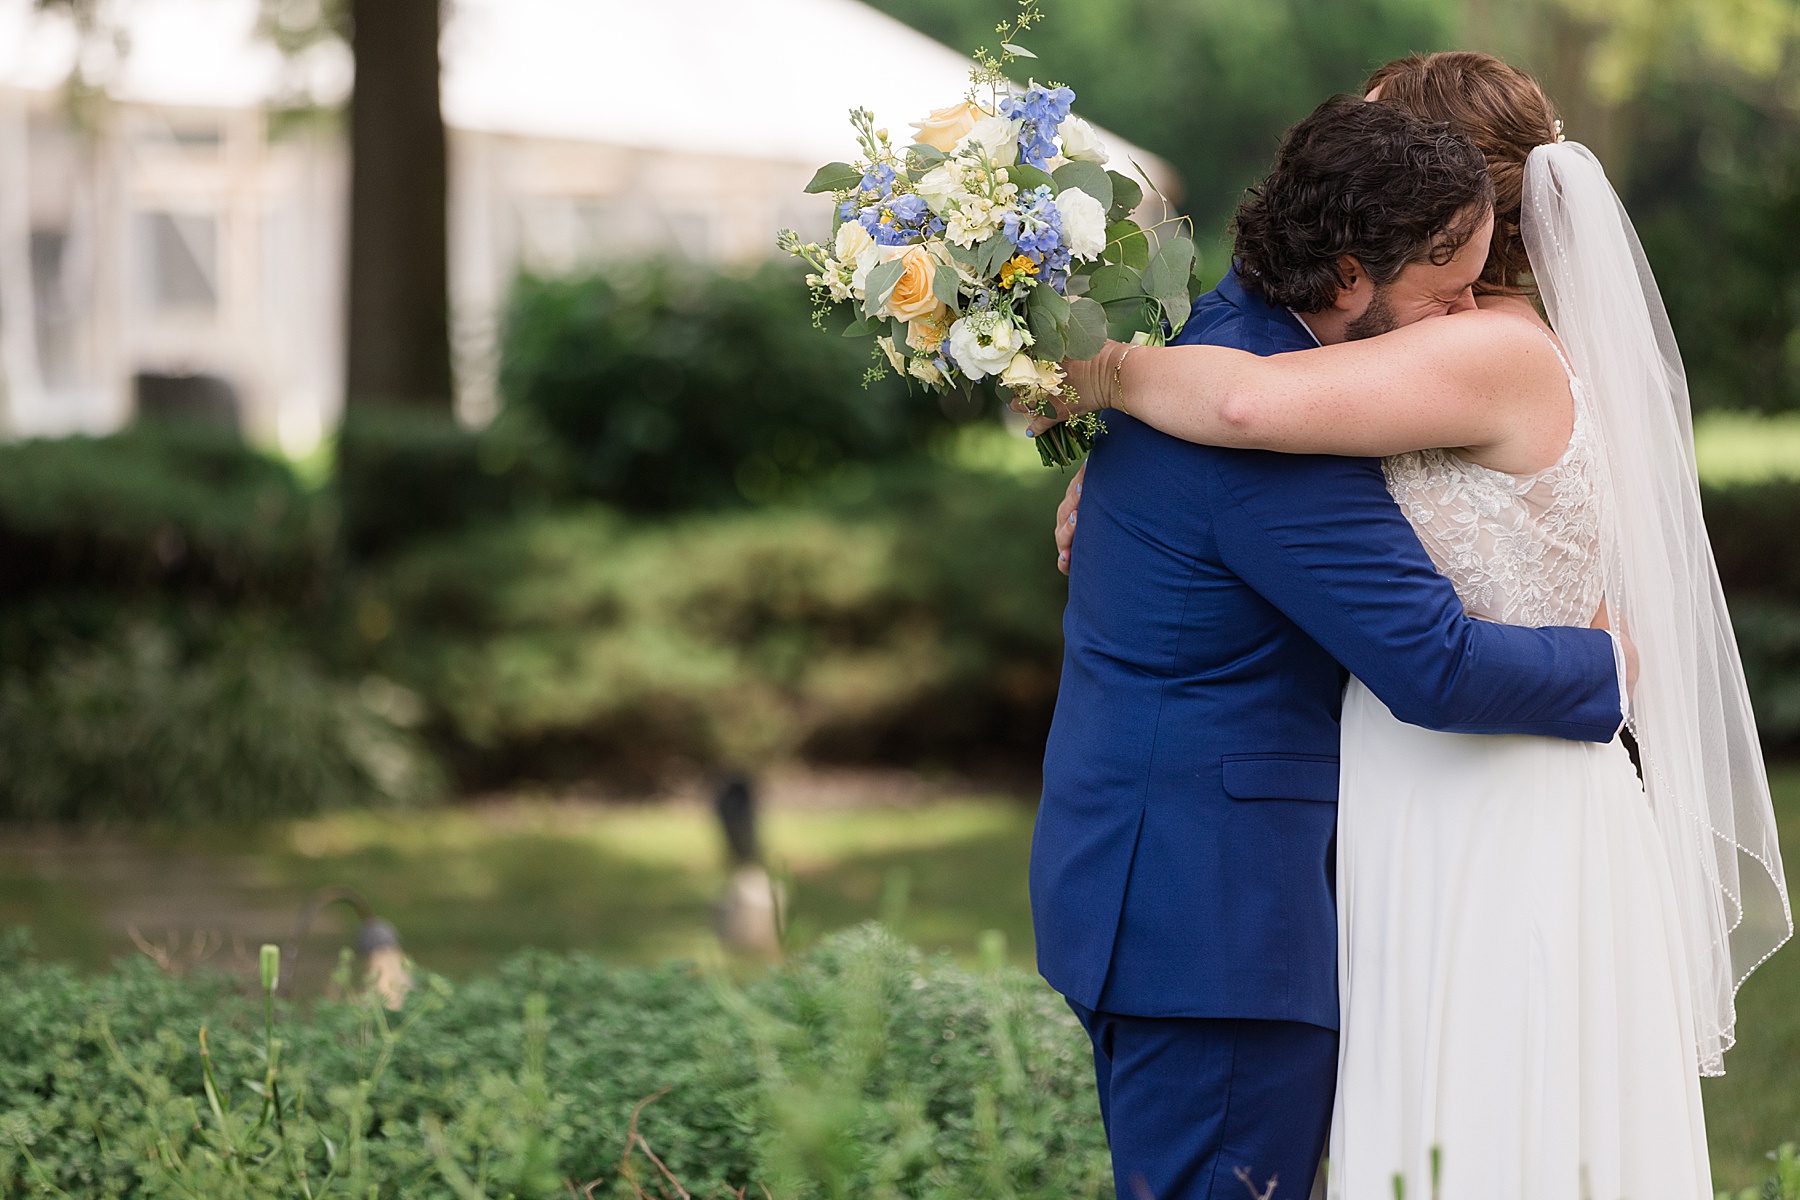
1458	381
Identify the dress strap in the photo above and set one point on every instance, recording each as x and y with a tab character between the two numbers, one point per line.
1560	356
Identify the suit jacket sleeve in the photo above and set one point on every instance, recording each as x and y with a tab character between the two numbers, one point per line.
1320	539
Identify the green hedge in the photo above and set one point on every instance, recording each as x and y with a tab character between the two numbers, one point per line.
169	510
135	725
920	622
673	387
859	1071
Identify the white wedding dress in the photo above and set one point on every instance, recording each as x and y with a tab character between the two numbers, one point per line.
1515	1000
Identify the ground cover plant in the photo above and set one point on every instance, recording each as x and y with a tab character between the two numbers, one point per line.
859	1070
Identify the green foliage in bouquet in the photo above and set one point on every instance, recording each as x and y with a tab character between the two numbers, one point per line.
996	245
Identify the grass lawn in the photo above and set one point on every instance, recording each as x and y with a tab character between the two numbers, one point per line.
469	886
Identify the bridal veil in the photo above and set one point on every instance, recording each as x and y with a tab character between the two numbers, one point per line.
1690	711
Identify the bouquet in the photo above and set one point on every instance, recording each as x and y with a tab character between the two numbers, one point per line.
994	246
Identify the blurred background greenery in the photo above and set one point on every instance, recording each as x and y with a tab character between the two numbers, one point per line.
465	670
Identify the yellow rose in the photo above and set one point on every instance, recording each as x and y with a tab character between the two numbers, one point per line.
946	126
913	297
926	334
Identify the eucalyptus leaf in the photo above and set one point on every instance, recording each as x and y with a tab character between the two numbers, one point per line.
1127	245
880	285
834	177
1047	316
998	249
943	286
859	328
1127	195
1090	177
1166	279
1131	316
925	156
1028	177
1109	283
1087	328
969	256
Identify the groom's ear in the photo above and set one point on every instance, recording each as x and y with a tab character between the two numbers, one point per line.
1355	289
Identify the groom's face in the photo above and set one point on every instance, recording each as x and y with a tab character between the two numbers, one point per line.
1422	289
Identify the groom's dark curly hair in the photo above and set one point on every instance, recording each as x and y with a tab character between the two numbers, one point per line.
1371	181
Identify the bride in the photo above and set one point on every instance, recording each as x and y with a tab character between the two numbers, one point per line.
1537	954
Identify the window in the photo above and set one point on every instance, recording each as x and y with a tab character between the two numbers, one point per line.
178	255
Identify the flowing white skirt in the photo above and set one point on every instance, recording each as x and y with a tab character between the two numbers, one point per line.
1514	996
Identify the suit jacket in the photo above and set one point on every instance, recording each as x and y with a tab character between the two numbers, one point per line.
1182	862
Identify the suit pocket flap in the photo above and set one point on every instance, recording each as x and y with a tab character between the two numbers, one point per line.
1276	777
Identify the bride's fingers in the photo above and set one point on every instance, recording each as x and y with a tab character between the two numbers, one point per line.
1037	425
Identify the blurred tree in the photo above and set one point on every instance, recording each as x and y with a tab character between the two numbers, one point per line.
1210	85
399	336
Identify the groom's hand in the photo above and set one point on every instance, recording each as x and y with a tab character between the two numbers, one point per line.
1065	521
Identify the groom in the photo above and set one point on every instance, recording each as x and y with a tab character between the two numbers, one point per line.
1181	872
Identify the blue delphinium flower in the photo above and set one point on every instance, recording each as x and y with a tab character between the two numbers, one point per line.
1035	227
1041	112
908	210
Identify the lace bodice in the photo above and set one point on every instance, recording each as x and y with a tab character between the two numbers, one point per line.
1521	549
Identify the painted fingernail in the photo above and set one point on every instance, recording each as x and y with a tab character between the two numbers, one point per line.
1031	433
1078	488
1072	518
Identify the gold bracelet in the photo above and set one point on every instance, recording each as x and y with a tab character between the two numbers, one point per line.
1118	396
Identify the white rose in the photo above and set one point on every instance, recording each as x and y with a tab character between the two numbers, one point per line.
998	138
984	343
1083	223
867	259
893	356
936	186
852	240
1026	374
1081	143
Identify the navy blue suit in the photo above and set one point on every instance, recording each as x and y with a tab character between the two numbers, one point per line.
1181	871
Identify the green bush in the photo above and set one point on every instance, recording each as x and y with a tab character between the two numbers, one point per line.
860	1071
172	510
406	473
915	618
672	387
137	726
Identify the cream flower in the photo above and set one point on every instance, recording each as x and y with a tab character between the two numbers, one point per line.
998	139
1083	223
852	240
893	355
945	127
870	257
1081	143
984	343
926	372
937	185
1025	374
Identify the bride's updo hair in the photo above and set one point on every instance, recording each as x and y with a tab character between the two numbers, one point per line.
1500	109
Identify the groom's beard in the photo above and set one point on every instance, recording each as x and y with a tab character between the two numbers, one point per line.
1376	319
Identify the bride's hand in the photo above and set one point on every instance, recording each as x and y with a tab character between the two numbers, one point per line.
1083	390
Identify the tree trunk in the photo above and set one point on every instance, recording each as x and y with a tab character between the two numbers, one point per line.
399	337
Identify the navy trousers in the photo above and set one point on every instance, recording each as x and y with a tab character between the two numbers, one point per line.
1189	1102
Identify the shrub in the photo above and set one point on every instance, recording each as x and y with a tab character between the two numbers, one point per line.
860	1071
674	388
408	473
163	510
918	623
136	726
